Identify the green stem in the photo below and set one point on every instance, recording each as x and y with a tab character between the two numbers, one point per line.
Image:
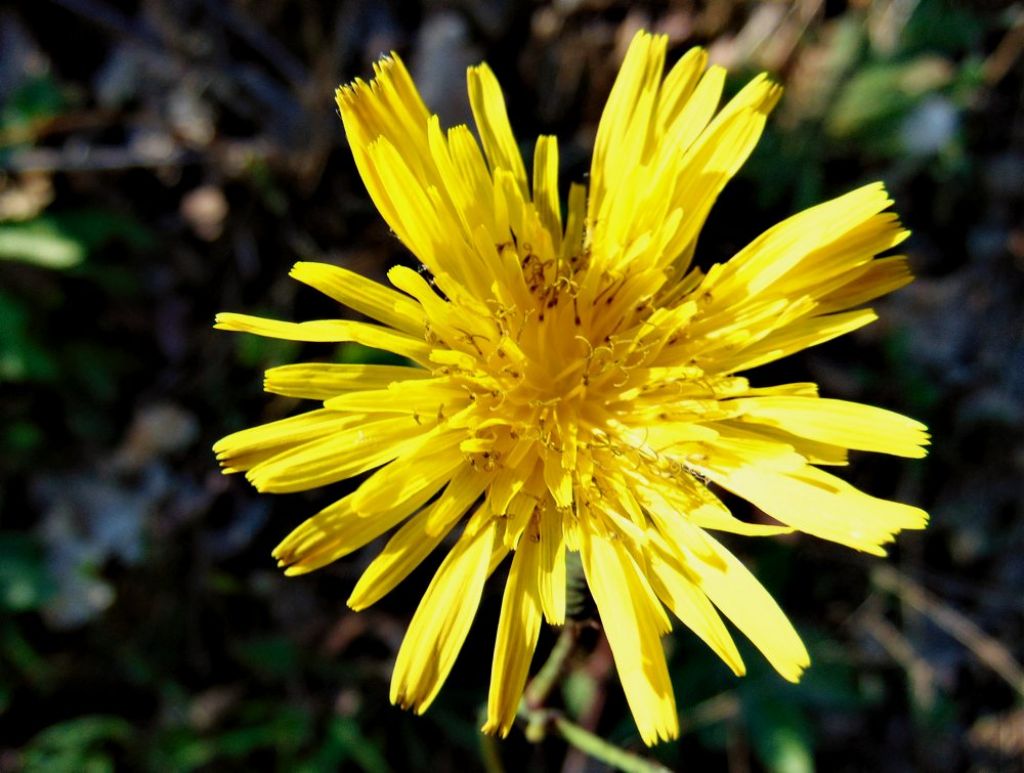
600	749
490	754
539	719
543	683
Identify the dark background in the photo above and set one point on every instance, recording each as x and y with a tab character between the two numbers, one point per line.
163	161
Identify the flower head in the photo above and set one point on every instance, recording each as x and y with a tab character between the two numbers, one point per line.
574	381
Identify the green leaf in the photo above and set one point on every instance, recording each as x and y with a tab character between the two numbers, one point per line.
779	733
21	437
22	357
344	741
40	242
36	98
943	25
272	656
63	240
180	750
95	368
77	745
32	667
881	93
579	690
25	582
278	726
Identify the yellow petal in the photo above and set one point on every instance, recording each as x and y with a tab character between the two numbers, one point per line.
337	456
667	508
324	380
801	335
558	480
389	107
461	166
735	591
437	458
337	530
639	73
821	504
777	251
680	591
838	422
518	630
329	331
488	104
677	91
719	153
416	219
545	187
572	243
424	398
417	539
813	451
551	580
246	448
520	511
708	512
633	634
882	276
507	483
442	620
362	294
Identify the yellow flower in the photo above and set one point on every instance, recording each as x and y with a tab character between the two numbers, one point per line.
574	382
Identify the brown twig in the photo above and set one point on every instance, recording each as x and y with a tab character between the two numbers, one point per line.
985	648
895	643
1001	60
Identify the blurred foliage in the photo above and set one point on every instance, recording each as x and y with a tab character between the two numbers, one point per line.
25	583
160	163
64	240
35	100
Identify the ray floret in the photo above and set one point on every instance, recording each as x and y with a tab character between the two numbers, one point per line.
574	384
